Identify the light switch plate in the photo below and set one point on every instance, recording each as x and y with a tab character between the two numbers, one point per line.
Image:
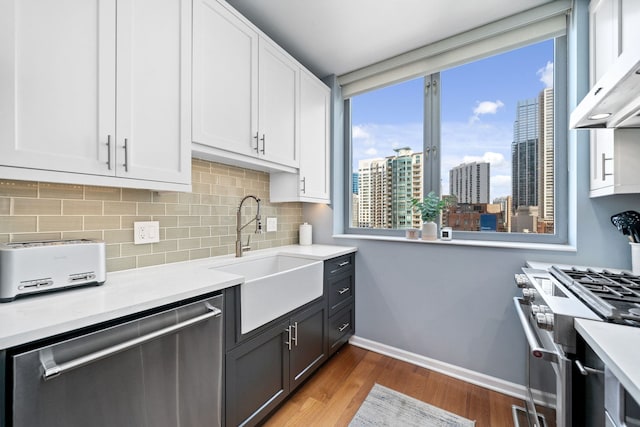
272	223
146	232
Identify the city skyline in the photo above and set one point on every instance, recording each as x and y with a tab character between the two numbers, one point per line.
477	119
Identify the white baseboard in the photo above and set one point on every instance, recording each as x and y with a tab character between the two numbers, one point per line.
492	383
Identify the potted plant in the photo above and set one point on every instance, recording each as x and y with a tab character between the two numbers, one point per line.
430	207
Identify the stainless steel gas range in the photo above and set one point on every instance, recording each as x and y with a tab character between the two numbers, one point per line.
552	297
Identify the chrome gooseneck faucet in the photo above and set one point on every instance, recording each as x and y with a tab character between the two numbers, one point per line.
239	247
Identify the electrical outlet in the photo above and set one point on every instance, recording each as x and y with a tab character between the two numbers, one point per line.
146	232
272	224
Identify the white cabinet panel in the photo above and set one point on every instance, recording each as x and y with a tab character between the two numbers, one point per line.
57	84
153	75
311	183
225	107
278	78
614	156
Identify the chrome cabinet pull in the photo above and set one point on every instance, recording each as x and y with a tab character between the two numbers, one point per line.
126	155
304	185
257	143
604	159
53	369
264	142
586	370
343	291
109	152
295	333
343	327
288	342
342	264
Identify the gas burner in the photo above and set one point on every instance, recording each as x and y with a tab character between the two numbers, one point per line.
635	311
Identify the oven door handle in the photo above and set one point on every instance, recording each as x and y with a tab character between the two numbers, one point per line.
536	349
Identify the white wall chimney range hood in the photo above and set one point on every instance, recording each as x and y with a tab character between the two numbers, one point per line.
614	101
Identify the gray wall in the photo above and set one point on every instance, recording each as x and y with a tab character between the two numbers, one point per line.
454	303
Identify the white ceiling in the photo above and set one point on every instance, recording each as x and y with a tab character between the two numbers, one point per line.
338	36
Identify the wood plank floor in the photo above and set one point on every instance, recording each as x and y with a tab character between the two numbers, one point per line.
334	394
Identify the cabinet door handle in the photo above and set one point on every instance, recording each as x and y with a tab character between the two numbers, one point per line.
257	143
343	327
604	159
264	142
126	155
304	185
109	152
288	342
343	291
342	264
295	333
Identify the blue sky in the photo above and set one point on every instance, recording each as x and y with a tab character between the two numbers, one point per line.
478	105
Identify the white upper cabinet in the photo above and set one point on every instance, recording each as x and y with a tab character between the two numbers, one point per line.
613	25
278	79
311	184
225	86
244	92
69	74
57	84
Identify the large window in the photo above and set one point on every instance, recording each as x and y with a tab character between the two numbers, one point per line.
483	135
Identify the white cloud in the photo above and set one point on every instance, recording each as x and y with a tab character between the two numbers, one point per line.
358	132
495	159
546	74
485	107
371	152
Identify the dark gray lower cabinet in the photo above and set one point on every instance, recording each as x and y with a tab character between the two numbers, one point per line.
263	370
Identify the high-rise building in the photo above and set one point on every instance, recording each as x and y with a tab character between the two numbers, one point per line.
404	182
469	182
525	153
386	188
354	182
372	187
546	160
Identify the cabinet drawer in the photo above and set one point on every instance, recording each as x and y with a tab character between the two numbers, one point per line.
341	327
340	292
336	266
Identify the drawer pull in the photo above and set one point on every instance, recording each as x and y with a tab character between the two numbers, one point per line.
342	264
343	327
343	291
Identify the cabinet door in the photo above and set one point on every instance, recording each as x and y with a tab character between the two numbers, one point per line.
57	84
278	79
309	342
604	39
257	376
225	86
602	163
154	86
314	137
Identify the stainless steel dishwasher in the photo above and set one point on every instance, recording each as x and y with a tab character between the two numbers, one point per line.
163	369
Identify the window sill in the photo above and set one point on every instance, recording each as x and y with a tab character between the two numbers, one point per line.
459	242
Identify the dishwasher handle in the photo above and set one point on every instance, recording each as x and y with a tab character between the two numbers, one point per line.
53	369
536	349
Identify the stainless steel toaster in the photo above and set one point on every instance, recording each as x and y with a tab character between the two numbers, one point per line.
33	267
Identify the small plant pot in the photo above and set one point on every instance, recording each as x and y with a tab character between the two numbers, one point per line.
429	231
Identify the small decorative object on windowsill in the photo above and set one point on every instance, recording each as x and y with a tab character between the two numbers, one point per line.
412	233
429	208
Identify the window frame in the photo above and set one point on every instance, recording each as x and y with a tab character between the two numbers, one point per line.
431	155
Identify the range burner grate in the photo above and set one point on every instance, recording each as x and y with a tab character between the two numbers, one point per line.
616	296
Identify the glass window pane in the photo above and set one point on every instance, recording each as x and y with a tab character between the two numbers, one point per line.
497	142
387	134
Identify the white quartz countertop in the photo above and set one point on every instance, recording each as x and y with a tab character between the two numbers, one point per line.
619	348
130	291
